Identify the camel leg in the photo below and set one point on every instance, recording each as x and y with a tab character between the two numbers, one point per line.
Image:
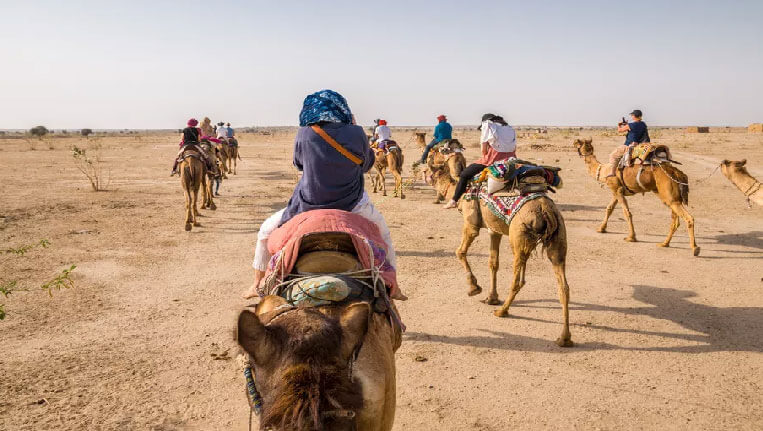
495	243
679	209
674	223
194	204
557	254
610	208
521	254
210	193
188	210
398	184
468	234
235	163
627	213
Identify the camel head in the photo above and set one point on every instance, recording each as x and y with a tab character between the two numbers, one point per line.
301	358
729	167
583	146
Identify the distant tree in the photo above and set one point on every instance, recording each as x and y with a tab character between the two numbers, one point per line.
86	132
39	131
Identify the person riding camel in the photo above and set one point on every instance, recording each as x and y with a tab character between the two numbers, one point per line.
190	139
222	132
498	142
382	134
637	133
206	127
230	134
442	131
333	155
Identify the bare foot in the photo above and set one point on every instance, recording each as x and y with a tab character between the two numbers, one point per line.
251	292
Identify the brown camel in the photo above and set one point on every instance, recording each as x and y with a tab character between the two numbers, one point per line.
192	172
537	221
746	183
233	155
208	179
662	178
438	164
321	368
421	139
392	159
223	153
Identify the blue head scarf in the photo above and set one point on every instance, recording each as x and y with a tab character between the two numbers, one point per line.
325	105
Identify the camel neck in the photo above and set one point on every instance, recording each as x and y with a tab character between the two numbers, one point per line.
744	181
593	165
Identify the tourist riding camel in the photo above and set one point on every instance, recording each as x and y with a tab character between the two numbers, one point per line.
442	131
190	137
382	133
498	142
333	154
636	133
206	127
389	155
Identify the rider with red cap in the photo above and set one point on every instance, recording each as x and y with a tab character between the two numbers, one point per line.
190	137
382	134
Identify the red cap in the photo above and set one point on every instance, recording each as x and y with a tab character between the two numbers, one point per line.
382	122
441	118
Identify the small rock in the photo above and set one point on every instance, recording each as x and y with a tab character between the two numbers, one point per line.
420	358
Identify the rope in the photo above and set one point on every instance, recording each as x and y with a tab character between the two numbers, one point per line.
671	178
708	177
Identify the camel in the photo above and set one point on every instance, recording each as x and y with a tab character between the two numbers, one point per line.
223	152
192	171
330	367
233	154
537	221
746	183
421	139
452	163
392	159
208	179
662	178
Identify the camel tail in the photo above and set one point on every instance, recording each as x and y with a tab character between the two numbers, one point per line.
551	222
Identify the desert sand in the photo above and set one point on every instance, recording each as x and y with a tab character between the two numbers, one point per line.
144	340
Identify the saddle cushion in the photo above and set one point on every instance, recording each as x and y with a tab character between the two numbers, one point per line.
326	262
647	151
503	206
316	291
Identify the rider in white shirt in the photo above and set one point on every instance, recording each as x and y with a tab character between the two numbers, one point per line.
382	133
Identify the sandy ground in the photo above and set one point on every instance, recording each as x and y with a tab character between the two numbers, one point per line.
664	340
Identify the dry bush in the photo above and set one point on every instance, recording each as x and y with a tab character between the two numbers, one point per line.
90	163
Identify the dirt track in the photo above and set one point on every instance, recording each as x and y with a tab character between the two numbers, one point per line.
663	340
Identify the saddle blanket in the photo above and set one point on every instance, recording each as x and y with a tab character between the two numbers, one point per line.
504	207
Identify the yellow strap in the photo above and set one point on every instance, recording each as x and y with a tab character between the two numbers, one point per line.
352	157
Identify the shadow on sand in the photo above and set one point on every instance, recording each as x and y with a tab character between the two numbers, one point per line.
716	329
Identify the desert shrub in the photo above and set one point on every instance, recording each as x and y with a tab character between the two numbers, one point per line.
90	163
86	132
39	131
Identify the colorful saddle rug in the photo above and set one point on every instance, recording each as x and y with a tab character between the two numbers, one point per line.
504	207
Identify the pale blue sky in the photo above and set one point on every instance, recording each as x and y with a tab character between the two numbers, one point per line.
153	64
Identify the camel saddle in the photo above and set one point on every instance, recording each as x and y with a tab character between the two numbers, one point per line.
514	175
328	271
449	146
647	153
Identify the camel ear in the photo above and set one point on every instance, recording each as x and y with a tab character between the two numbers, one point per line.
269	303
354	324
742	162
255	337
725	162
588	140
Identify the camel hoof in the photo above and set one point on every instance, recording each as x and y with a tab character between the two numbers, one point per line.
402	196
696	251
491	301
601	230
564	342
213	207
384	194
663	244
630	239
196	224
188	227
500	313
475	290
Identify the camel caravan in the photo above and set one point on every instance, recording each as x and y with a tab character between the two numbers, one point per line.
320	336
207	153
